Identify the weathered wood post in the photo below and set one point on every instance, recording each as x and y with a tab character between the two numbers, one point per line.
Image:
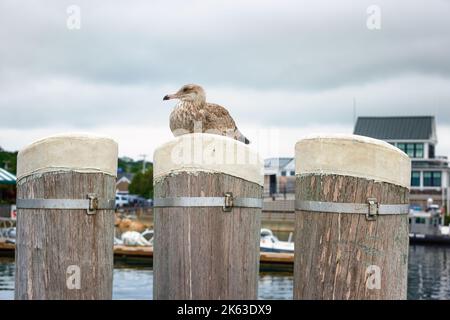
351	225
65	218
207	206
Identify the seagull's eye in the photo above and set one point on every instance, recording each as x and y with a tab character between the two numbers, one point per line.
185	90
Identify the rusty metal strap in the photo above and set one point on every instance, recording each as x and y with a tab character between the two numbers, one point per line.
91	204
227	202
371	209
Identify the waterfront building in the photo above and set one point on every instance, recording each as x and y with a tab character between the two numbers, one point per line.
417	137
279	177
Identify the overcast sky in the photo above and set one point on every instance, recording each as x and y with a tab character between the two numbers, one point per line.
283	69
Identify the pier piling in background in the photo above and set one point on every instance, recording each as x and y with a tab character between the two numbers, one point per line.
208	199
65	218
351	225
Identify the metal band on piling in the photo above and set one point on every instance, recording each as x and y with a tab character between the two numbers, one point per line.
227	202
371	209
91	204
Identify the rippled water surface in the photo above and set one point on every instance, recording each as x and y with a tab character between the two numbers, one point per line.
429	272
137	283
428	278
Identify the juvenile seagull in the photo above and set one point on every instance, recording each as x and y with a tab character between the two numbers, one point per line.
193	114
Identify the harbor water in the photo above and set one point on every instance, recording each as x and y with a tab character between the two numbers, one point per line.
428	278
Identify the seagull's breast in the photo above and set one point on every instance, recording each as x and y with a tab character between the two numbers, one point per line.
182	118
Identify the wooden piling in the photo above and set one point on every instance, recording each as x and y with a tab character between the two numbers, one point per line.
202	251
63	250
350	242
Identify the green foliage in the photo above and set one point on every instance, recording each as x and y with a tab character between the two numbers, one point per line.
8	194
142	183
128	165
446	220
8	160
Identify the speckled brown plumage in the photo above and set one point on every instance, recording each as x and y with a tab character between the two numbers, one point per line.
194	114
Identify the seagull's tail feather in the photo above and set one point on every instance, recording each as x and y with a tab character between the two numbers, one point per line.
240	137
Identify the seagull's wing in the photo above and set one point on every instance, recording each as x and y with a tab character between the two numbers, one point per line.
218	118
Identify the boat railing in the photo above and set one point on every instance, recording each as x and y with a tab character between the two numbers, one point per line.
7	223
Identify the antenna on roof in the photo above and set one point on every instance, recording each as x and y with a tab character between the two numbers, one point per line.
144	156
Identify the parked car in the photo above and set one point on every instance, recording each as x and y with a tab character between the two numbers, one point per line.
122	200
137	201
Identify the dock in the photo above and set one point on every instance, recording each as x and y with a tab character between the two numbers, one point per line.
7	249
269	261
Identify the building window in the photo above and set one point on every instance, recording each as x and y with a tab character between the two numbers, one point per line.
415	179
292	173
421	221
431	152
418	152
432	179
283	173
413	150
410	150
402	146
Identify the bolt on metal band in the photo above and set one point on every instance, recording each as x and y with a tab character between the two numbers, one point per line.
371	209
227	202
91	204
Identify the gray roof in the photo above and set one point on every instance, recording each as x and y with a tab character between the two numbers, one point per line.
397	128
7	177
127	175
276	163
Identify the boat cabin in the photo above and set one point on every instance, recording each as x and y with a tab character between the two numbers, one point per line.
426	223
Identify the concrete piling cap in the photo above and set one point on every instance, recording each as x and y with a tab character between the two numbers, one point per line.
79	152
203	152
353	155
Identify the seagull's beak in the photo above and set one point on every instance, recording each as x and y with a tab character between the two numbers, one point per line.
169	96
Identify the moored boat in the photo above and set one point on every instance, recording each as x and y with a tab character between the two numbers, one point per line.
426	227
270	243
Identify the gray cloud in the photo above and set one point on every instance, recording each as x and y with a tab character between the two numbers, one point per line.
295	45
